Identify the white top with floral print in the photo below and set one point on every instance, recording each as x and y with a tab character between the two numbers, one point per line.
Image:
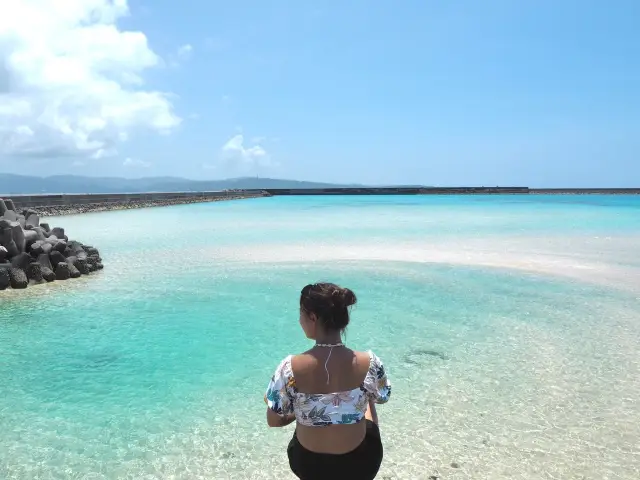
320	410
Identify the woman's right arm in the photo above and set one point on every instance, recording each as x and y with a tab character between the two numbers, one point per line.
372	414
275	420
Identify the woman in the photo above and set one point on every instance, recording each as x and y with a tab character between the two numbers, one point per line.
328	391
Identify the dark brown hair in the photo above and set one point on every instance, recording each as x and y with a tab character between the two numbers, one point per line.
329	302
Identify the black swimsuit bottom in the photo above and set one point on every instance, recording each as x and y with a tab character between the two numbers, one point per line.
362	463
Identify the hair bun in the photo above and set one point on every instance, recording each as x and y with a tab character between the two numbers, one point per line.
343	297
329	302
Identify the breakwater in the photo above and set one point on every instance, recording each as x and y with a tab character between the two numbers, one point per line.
32	252
398	191
584	191
451	191
69	204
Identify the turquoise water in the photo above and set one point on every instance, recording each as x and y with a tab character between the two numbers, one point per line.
510	327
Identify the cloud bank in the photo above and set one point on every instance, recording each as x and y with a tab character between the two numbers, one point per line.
71	82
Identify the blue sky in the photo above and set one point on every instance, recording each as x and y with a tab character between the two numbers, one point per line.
537	93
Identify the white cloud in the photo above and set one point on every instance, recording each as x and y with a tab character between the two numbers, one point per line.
234	151
71	81
238	158
135	163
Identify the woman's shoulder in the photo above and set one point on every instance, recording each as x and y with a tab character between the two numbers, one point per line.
372	362
363	356
376	366
284	366
372	357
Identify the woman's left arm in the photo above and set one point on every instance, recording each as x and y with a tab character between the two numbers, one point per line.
279	402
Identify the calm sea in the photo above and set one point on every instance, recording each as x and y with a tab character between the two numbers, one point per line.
510	327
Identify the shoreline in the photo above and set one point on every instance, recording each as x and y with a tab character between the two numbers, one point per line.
82	208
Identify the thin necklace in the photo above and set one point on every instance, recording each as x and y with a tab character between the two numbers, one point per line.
330	345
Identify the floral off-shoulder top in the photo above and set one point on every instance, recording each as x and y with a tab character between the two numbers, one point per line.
319	410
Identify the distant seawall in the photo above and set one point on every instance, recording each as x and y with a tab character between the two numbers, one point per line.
398	191
61	204
585	191
53	204
451	191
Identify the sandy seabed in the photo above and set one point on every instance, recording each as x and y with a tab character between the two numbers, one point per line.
525	400
529	402
606	261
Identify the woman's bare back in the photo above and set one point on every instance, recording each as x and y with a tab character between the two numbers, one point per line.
347	370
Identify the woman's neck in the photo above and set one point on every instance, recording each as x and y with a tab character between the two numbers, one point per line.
329	338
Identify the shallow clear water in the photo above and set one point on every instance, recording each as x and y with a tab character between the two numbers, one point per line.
510	327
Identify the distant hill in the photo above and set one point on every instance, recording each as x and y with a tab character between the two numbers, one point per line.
21	184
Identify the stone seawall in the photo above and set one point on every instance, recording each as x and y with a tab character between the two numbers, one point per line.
70	204
585	191
451	191
398	191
